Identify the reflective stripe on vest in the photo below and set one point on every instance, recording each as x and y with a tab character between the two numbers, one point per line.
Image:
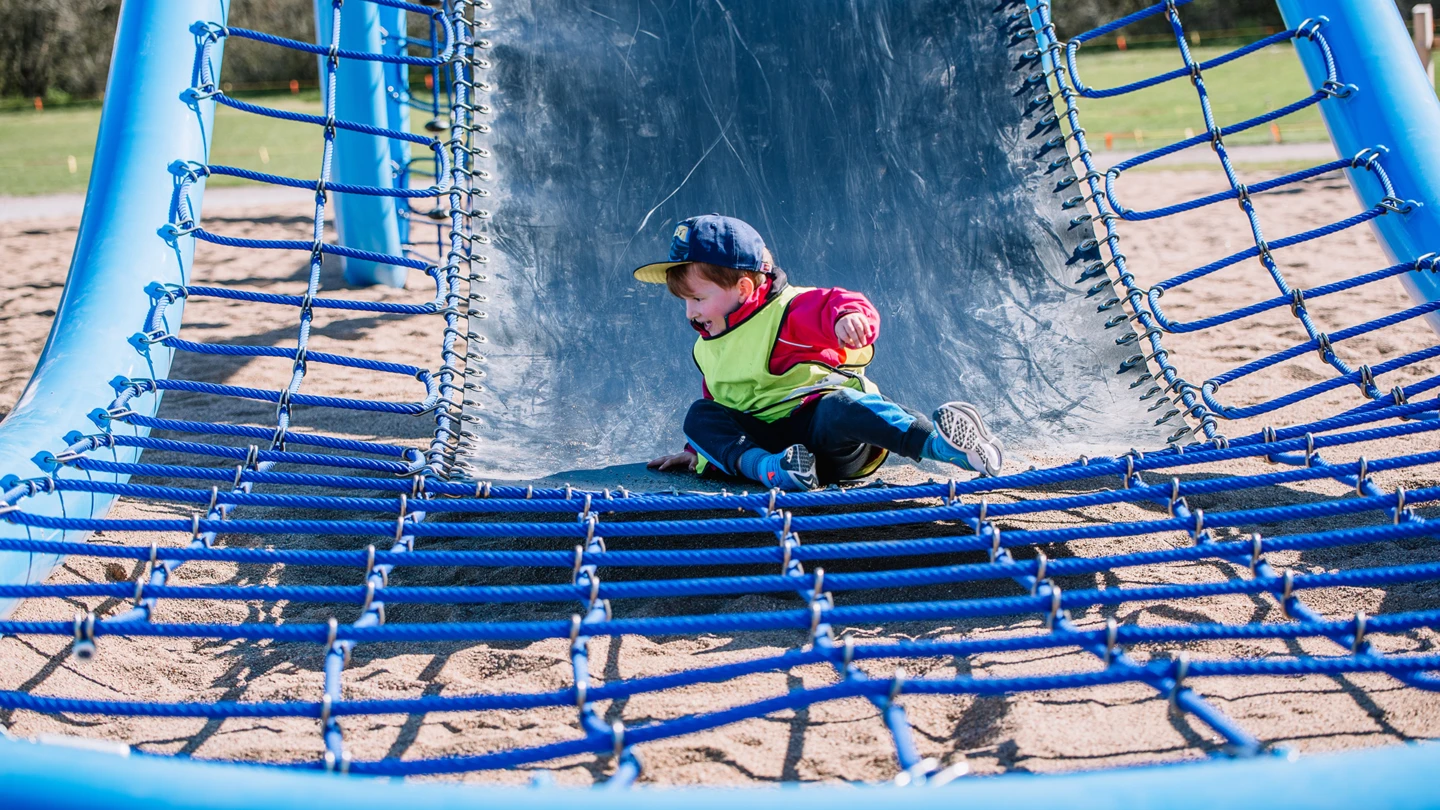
736	365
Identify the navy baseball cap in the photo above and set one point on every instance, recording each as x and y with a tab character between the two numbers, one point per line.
713	239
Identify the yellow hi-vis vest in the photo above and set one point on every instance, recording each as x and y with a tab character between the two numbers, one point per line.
736	365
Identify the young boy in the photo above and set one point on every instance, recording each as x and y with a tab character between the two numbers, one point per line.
786	401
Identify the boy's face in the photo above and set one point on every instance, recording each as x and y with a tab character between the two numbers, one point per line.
708	303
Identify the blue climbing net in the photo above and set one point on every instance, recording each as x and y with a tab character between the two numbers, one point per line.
397	497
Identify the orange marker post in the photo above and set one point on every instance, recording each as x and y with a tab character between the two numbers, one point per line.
1109	140
1275	132
1120	42
39	104
294	85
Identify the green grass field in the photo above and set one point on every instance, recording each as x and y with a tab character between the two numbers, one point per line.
37	148
1158	115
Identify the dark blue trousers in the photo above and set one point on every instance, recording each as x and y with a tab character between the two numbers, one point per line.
845	429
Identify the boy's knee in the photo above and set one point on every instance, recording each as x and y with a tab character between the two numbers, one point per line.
700	411
846	401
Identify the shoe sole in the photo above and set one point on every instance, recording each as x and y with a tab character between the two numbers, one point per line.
800	463
946	417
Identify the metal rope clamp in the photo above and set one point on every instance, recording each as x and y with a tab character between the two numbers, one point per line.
83	647
575	622
1359	643
1287	590
1182	666
1267	435
1041	561
1198	530
1175	499
1054	607
788	542
896	684
817	613
400	520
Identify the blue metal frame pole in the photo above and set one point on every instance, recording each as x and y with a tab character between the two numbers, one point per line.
364	222
397	108
149	126
1389	104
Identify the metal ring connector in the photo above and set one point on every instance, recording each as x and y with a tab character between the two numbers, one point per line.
1112	633
896	684
83	648
1040	563
1182	666
816	609
617	730
1359	633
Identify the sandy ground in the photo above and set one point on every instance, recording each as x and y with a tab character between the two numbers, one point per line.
846	740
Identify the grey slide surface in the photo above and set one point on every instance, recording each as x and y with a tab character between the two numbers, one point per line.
884	147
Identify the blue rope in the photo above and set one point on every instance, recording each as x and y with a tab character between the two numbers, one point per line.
328	120
315	185
318	303
320	246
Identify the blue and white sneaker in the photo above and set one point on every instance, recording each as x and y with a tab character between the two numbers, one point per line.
961	438
792	470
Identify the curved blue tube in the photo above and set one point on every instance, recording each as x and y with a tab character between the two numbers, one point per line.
364	222
62	778
123	253
1392	106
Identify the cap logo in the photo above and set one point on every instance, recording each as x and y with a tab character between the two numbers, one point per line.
682	232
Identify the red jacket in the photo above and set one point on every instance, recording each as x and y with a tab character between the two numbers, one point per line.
808	332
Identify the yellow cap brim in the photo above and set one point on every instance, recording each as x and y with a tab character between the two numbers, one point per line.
655	273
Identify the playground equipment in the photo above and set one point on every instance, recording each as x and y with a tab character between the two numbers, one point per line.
943	136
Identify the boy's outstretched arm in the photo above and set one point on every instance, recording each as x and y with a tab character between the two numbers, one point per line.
832	318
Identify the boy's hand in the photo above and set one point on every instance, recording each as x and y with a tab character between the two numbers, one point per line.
853	331
683	460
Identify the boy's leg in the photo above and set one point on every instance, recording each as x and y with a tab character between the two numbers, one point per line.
844	427
740	445
722	435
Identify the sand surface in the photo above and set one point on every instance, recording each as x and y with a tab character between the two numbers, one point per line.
1047	731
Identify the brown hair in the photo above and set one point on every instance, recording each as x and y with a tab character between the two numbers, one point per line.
677	278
